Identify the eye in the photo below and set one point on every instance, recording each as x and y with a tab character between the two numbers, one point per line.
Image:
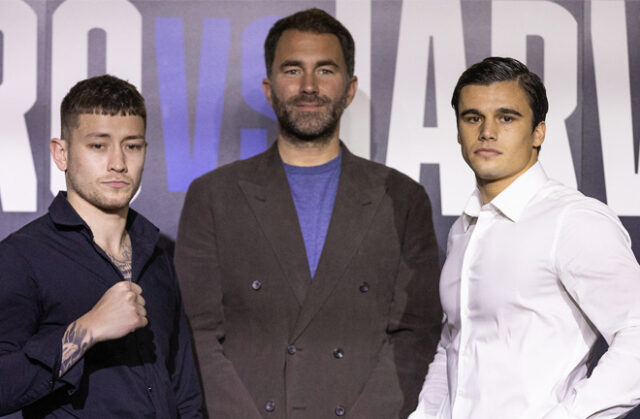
325	71
292	71
472	119
507	118
96	146
135	146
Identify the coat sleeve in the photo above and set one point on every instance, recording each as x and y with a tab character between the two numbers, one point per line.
199	274
30	352
414	323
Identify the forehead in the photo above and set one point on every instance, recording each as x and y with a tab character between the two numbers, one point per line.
497	95
115	125
308	46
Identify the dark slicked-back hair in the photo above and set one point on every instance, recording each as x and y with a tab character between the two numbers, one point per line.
494	69
315	21
105	95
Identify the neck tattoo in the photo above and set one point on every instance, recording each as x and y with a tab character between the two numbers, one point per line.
123	262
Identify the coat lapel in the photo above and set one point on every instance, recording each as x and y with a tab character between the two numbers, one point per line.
355	205
269	197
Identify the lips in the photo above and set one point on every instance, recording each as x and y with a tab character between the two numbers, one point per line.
309	101
116	183
306	105
487	152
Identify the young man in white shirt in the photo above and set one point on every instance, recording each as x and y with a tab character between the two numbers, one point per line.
535	271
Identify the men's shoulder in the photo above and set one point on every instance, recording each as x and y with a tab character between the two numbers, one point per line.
380	174
228	174
572	211
26	247
30	234
570	201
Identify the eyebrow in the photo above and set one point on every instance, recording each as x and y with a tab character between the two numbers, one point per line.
469	112
99	134
298	63
326	63
507	111
291	63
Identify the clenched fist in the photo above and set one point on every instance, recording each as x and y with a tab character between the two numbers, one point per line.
119	312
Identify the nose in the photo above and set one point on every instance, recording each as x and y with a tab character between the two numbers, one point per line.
309	83
488	130
117	161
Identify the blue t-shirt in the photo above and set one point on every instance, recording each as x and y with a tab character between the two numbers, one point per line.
314	191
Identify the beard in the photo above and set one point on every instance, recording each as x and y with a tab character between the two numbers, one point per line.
309	126
89	190
111	203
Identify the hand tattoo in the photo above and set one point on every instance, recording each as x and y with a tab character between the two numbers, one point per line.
75	342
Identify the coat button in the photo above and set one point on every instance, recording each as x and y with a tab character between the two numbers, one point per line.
270	406
340	410
364	287
256	285
338	353
291	349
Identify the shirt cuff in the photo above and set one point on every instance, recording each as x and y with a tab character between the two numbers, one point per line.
45	347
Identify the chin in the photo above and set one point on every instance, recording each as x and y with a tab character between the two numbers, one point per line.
113	207
113	204
483	170
487	175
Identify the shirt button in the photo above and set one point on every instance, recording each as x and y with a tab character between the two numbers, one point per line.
340	410
338	353
291	349
364	287
149	389
270	406
256	285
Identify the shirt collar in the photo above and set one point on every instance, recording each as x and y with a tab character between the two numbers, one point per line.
139	228
512	201
63	214
471	209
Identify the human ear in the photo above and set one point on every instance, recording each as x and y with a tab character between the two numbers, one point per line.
351	90
59	150
539	133
266	88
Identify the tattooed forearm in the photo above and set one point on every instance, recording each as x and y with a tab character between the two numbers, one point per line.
75	342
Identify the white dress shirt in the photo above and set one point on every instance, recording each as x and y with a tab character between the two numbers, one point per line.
529	281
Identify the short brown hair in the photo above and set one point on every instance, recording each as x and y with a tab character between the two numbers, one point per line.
106	95
314	21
